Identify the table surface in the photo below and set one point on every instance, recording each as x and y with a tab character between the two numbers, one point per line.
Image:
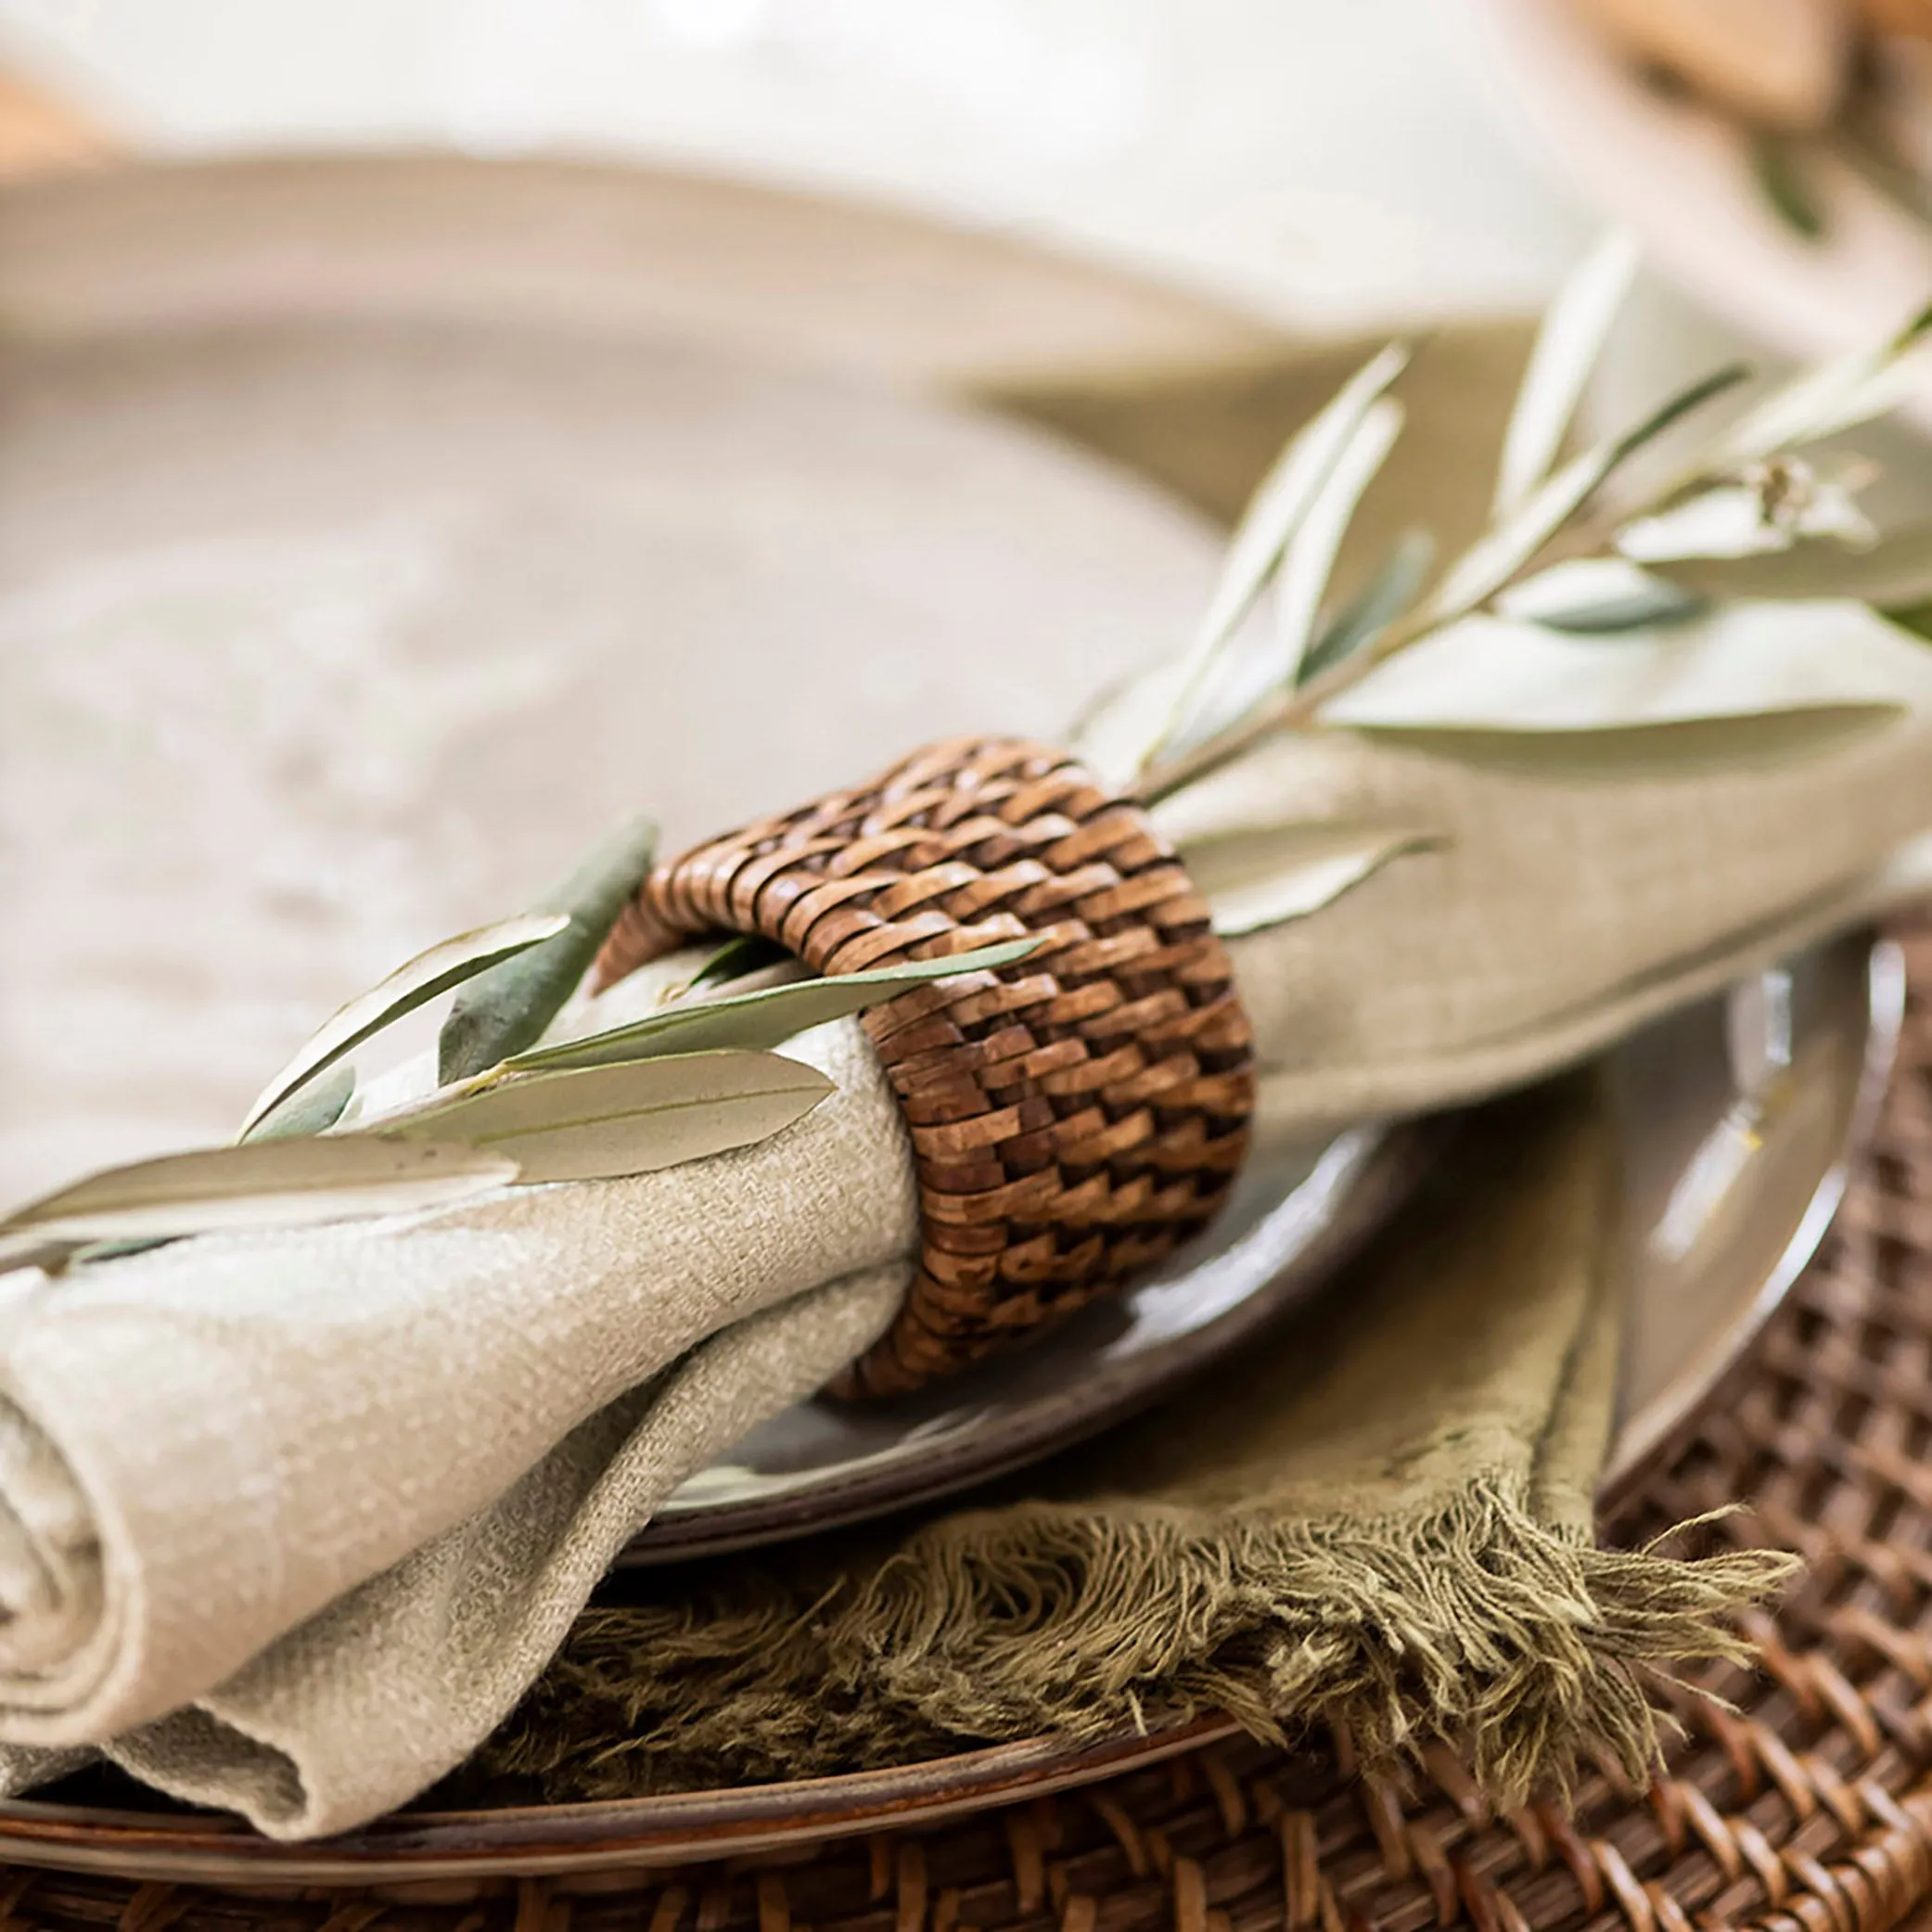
1329	166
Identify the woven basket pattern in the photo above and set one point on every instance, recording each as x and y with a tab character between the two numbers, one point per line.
1074	1116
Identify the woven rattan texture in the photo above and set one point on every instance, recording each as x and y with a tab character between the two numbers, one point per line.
1807	1810
1074	1116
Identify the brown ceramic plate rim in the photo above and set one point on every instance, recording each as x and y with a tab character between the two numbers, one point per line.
675	1828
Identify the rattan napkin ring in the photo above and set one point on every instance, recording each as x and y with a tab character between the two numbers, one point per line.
1074	1116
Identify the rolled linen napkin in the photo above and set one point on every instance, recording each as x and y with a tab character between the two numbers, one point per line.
361	1389
291	1521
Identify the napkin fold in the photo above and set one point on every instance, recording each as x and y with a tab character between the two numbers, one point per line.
1379	1521
288	1523
231	1469
321	1727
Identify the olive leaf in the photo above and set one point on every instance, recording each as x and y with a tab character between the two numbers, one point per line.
1824	401
1568	343
1116	734
1915	618
1309	561
1744	519
1598	597
1268	657
413	984
1391	588
743	953
502	1011
600	1123
1254	877
1778	167
313	1107
275	1183
1273	516
1895	571
1494	671
1489	563
1669	747
1728	520
757	1020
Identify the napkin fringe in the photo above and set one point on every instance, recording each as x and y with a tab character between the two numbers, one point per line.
1472	1623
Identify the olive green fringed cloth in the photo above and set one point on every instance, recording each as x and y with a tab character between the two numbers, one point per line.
1379	1519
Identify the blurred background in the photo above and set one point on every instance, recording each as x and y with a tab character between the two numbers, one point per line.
1331	165
430	430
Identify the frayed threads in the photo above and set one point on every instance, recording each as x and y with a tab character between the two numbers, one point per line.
1472	1624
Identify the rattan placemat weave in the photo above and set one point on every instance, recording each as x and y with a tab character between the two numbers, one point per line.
1808	1804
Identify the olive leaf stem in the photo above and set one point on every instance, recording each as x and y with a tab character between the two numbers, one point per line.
1498	560
1286	710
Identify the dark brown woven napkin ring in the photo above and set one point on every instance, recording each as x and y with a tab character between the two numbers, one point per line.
1073	1116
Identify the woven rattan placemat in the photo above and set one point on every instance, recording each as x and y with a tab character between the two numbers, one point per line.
1807	1804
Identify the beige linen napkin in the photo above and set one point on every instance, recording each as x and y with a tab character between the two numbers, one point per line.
1579	882
211	1444
234	1466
